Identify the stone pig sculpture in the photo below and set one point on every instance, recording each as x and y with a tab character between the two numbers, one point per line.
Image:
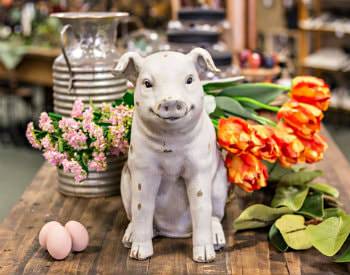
174	182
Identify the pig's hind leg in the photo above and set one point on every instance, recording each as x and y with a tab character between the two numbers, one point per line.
219	195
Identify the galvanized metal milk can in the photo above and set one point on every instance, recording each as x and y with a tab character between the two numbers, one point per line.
83	70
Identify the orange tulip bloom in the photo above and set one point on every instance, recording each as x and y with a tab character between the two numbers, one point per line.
311	90
314	148
246	171
233	134
263	145
291	147
303	118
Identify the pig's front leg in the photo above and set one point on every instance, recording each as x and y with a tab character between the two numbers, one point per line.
199	194
145	184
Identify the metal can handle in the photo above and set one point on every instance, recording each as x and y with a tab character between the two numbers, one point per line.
64	42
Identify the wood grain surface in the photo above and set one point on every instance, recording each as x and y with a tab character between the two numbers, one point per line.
246	252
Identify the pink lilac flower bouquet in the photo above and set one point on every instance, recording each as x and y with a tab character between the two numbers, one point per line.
82	142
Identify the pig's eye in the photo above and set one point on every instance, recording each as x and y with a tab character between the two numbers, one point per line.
189	80
147	83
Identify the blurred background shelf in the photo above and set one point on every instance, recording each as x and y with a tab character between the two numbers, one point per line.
262	74
34	68
322	24
326	29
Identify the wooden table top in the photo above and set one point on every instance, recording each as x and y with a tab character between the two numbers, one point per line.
246	252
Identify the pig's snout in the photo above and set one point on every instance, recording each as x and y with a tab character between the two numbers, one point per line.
172	109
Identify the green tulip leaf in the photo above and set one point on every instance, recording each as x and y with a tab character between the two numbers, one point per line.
263	92
313	206
329	236
218	113
333	212
293	231
230	107
300	178
233	107
277	240
290	196
212	85
258	215
276	171
325	188
344	257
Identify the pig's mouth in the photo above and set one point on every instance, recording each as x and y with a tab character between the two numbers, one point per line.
172	118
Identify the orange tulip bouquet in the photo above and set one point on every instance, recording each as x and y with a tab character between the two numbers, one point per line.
293	139
261	150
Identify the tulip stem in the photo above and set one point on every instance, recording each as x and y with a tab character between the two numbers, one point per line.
264	120
257	103
215	123
272	168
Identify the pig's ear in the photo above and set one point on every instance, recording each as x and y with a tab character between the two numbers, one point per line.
129	65
201	56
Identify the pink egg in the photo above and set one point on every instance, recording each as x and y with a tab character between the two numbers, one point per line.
79	234
44	230
58	242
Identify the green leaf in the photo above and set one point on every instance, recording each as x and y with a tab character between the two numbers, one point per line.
40	134
104	124
344	257
55	116
263	92
128	98
258	215
277	240
117	102
291	196
333	212
233	107
325	188
300	178
277	171
329	236
248	102
218	113
60	145
313	206
221	84
84	161
292	228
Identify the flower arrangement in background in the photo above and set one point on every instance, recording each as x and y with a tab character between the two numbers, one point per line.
293	140
82	142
